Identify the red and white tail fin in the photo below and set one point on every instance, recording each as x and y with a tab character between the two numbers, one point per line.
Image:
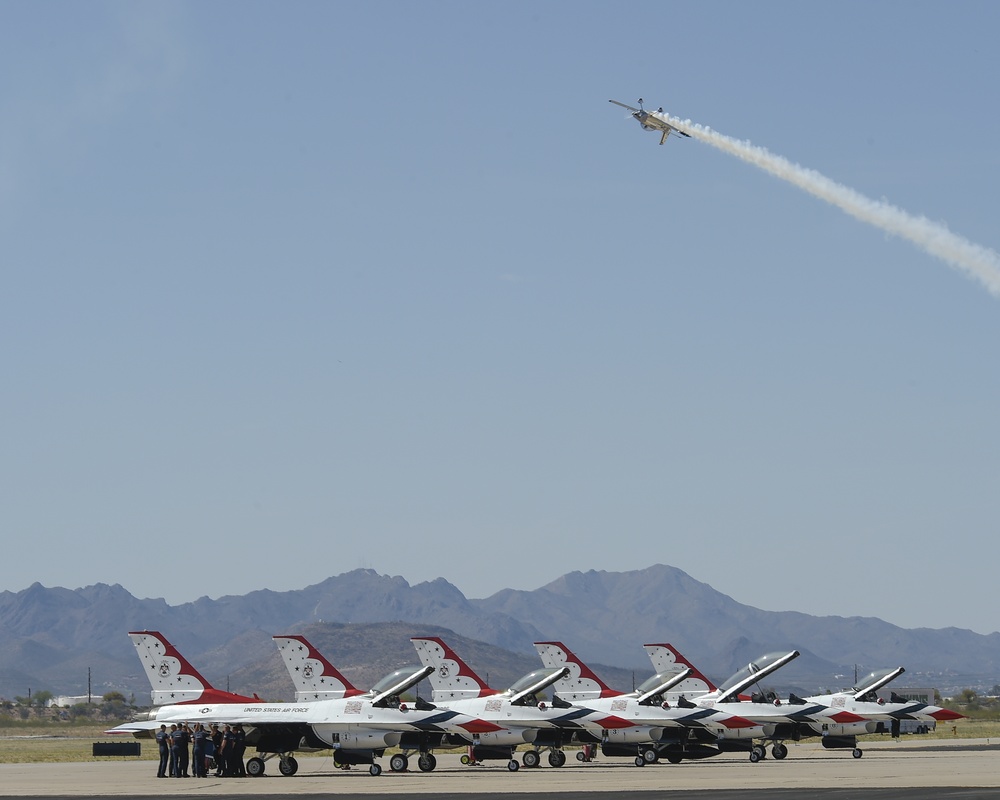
666	657
314	677
173	679
581	683
452	678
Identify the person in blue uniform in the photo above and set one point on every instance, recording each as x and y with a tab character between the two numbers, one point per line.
163	743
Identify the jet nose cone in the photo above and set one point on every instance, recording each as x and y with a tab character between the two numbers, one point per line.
946	715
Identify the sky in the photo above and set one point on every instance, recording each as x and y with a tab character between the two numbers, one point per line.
292	289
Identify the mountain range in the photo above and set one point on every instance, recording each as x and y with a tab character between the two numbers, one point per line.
52	638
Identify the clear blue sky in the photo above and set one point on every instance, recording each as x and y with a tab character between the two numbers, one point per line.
294	288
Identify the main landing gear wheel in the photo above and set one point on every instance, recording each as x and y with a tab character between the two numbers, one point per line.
399	763
779	751
531	758
557	758
650	755
857	752
512	765
255	767
288	766
374	770
640	761
427	762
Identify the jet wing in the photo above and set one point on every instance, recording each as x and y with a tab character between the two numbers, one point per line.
623	105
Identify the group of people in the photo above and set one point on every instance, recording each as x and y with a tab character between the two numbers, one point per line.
211	748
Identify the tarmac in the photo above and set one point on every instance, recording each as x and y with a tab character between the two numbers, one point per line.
964	768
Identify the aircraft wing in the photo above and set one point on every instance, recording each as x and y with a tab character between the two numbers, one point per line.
623	105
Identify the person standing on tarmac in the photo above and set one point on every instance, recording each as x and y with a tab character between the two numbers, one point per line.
228	746
172	767
182	738
198	738
239	748
217	748
163	743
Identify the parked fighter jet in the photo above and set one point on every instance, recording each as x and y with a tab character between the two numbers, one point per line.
358	728
863	699
660	729
652	121
793	719
456	686
173	679
315	678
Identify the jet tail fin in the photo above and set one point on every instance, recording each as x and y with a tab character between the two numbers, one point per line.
452	678
314	677
666	657
581	683
172	678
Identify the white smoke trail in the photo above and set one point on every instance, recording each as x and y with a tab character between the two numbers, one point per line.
976	261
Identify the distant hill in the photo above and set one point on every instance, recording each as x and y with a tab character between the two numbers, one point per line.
362	621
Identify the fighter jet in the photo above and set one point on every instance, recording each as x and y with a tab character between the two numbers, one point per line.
357	728
863	699
791	719
653	120
456	686
659	728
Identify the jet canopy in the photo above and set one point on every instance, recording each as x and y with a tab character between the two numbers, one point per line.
661	679
396	678
539	676
756	669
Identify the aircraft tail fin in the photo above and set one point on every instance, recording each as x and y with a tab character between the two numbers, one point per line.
171	676
666	656
452	678
581	683
314	677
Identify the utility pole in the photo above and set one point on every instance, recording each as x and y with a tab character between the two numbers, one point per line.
88	686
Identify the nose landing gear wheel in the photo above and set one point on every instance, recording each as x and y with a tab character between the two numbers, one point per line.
513	766
375	770
857	752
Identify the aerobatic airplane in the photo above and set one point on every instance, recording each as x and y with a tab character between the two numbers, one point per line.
660	729
653	121
863	699
358	728
315	678
837	724
455	685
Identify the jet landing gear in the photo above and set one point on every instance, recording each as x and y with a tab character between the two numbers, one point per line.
287	765
532	758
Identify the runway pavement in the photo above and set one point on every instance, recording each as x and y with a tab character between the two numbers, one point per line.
967	769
